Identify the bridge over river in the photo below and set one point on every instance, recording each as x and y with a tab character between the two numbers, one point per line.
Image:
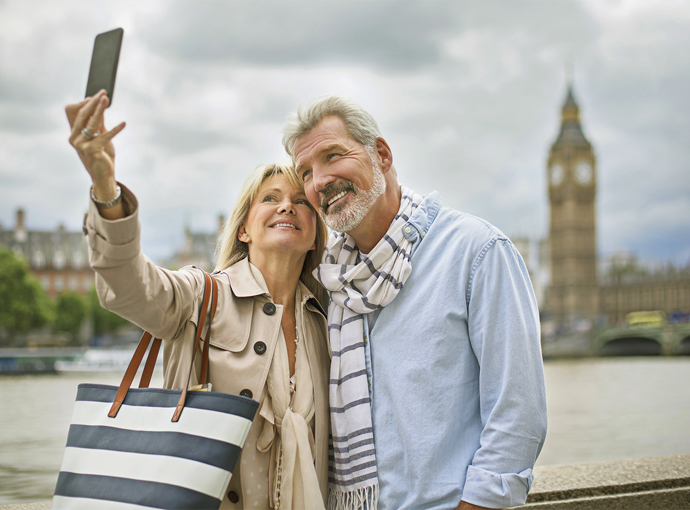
668	339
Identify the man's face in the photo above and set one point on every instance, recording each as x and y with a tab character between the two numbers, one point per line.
341	179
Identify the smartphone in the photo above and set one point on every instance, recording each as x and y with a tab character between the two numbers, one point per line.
106	54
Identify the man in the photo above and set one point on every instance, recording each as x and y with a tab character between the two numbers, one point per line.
437	388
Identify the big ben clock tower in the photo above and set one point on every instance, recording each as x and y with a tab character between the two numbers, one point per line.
573	293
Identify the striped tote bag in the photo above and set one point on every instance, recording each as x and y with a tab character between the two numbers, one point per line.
153	448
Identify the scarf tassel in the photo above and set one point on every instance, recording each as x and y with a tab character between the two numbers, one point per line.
366	498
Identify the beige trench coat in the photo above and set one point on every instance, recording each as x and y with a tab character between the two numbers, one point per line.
166	303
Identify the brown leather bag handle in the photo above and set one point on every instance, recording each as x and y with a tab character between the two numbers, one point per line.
183	396
204	376
134	364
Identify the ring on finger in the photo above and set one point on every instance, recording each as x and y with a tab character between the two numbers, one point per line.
89	135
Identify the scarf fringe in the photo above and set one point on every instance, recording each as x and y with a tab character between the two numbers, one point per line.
366	498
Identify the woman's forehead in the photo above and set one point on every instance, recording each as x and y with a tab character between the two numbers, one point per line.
279	182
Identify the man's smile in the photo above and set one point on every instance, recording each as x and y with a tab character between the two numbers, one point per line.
333	194
336	197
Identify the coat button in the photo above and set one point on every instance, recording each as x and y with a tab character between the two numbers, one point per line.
233	497
260	348
269	308
246	393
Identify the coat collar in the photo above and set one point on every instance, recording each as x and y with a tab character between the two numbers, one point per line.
247	281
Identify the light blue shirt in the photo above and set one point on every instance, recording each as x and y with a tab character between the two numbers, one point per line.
455	370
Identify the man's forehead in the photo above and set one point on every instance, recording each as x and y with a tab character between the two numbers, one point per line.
329	134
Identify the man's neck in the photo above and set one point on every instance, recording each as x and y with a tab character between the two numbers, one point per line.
377	221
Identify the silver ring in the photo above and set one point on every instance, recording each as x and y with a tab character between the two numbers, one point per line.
89	135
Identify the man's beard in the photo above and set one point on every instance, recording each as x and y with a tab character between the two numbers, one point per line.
345	217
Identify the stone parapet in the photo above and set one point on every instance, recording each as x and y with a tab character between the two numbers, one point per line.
659	483
651	482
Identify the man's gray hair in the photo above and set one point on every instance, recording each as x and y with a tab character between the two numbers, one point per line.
359	123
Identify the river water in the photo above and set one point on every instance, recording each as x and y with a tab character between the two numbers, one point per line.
599	409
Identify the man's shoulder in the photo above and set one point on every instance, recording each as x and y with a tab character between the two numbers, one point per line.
467	227
432	213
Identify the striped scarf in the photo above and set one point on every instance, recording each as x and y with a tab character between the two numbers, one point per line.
357	287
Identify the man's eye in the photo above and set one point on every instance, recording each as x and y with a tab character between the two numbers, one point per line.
331	156
306	175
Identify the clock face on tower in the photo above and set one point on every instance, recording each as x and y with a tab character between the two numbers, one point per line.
583	173
556	174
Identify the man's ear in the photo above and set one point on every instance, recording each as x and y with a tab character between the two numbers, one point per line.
385	154
243	236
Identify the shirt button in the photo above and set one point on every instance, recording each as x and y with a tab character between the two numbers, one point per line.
269	308
248	394
408	230
233	497
260	348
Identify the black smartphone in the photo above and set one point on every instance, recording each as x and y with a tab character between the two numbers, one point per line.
106	54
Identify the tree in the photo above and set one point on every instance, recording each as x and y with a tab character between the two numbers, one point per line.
70	312
24	304
103	320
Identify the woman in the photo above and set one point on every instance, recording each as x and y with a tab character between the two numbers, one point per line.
268	339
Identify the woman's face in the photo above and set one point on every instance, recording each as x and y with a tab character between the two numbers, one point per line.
280	219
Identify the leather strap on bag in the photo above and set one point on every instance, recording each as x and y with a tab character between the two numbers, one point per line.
134	364
200	326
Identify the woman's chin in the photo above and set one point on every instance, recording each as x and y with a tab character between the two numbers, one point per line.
284	247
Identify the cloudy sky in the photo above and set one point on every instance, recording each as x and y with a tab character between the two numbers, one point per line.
468	95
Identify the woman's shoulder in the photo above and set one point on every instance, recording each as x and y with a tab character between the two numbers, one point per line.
244	279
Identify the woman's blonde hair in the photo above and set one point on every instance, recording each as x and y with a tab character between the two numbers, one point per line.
231	250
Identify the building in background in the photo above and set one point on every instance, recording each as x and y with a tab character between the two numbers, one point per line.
628	286
577	291
198	249
573	292
58	259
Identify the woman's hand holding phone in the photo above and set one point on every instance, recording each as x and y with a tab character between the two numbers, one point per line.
97	153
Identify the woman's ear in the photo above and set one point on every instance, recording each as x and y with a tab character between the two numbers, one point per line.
243	236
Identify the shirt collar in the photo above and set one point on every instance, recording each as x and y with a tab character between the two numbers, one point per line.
422	218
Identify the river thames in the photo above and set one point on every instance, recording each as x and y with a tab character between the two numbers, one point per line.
599	409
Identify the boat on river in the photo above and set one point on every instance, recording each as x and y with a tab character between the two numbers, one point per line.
100	360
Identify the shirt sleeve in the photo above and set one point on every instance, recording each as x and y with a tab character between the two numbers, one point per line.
129	283
503	323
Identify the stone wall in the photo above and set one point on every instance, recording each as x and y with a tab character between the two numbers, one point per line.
659	483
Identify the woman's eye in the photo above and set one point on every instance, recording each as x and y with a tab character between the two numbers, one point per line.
269	198
302	201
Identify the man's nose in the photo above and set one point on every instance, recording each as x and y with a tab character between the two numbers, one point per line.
321	178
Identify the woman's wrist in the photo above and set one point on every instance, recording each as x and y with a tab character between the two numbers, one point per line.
108	204
104	191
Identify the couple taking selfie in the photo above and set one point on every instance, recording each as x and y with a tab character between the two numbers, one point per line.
396	360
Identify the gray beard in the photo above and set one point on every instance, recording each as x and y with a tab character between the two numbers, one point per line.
349	216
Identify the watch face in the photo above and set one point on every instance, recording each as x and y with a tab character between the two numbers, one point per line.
583	172
556	174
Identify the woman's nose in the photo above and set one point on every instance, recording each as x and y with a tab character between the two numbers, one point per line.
287	207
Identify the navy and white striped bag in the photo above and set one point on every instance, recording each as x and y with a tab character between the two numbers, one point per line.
153	448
